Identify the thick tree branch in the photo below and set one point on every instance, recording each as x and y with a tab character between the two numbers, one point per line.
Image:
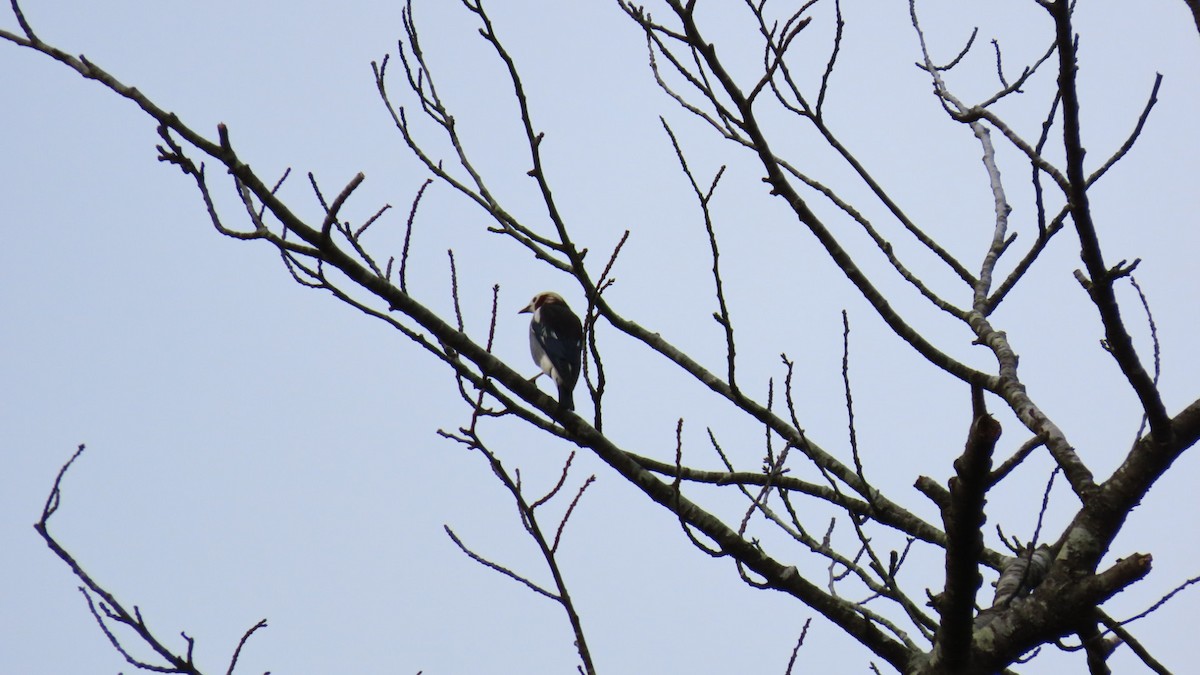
964	519
1096	525
1194	6
328	254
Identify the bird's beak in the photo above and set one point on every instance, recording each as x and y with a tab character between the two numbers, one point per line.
528	309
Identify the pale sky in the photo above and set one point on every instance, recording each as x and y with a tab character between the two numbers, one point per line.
258	450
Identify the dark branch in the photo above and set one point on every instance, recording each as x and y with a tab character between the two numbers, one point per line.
964	519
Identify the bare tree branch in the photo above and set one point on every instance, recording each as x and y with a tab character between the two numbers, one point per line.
964	519
1045	592
109	608
1101	277
1194	6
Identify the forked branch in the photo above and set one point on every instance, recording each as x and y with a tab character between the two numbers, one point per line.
108	610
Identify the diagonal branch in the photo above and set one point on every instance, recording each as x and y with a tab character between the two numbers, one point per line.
470	438
112	608
813	114
782	187
1194	6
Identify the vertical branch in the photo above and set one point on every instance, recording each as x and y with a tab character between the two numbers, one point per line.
677	500
590	318
999	233
964	518
1045	231
858	468
1039	197
833	54
408	230
458	318
1153	340
704	197
1100	282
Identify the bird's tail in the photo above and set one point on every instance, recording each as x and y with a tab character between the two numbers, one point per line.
566	399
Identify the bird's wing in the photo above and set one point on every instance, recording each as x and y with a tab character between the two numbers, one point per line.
561	335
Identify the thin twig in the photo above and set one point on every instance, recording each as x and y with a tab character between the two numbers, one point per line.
571	509
497	567
1015	460
1154	341
408	230
1161	601
799	644
242	643
722	315
858	467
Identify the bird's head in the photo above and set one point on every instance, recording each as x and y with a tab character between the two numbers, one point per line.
541	300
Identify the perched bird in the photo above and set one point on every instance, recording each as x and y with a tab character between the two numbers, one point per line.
556	342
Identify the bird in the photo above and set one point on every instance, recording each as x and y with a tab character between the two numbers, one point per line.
556	343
